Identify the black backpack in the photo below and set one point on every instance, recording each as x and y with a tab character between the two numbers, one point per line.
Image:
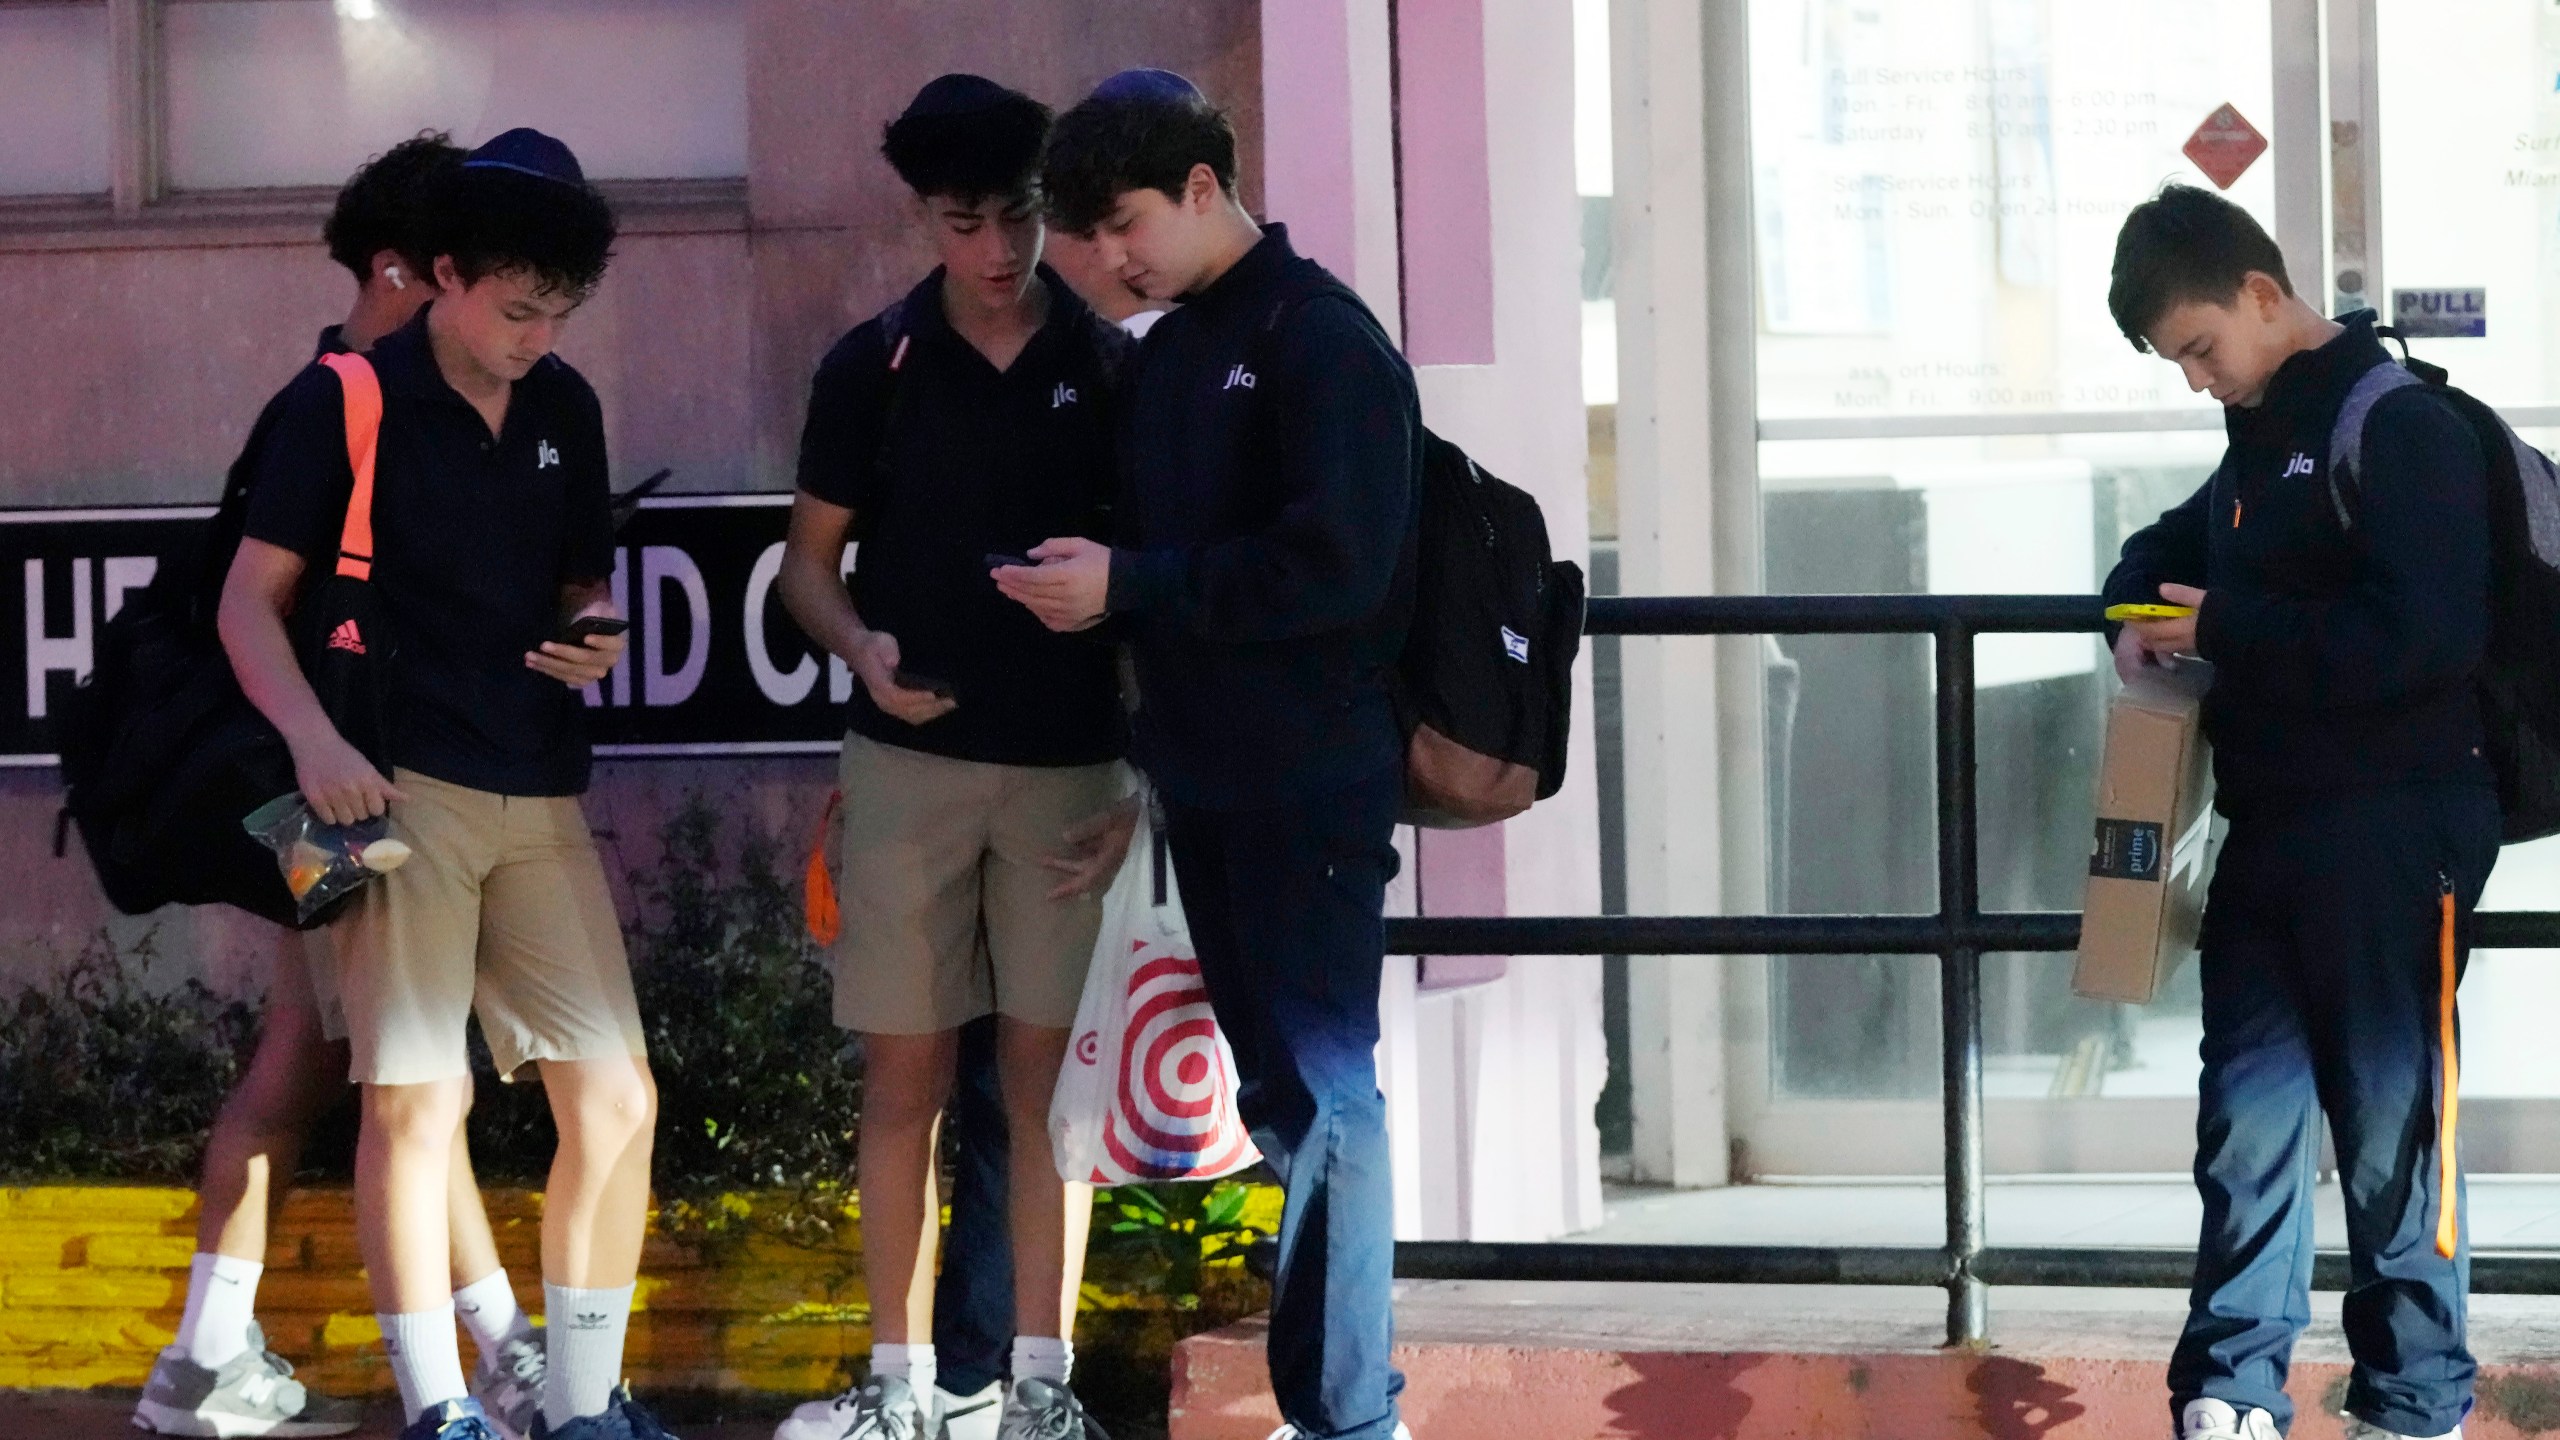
2519	681
163	757
1484	686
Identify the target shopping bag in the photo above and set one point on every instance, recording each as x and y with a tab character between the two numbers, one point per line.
1148	1091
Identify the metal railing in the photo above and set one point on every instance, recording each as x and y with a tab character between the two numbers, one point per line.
1959	934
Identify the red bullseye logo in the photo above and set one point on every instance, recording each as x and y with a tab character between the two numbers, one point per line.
1174	1114
1088	1047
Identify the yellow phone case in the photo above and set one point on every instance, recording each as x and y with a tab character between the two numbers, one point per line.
2148	612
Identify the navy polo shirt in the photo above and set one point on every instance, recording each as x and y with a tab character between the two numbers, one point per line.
1272	445
945	461
474	535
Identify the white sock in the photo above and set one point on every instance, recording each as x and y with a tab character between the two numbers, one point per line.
582	1334
426	1357
912	1363
1043	1357
222	1293
489	1311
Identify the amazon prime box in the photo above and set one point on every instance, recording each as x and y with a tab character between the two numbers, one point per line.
2147	867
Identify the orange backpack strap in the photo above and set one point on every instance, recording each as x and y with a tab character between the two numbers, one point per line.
817	887
364	428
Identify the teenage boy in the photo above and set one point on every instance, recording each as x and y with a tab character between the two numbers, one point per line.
2347	756
1271	463
218	1378
492	531
965	424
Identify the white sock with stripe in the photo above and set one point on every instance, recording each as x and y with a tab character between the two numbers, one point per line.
222	1295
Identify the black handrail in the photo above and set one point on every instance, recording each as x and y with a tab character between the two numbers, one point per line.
1959	934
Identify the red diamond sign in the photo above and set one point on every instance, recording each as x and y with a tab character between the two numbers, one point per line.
2225	146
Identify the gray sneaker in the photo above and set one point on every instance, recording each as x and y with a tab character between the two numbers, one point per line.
1042	1410
254	1394
507	1381
884	1408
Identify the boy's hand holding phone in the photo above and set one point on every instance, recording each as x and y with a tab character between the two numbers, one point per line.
585	650
900	693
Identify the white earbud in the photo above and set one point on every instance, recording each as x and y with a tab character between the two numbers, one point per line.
392	274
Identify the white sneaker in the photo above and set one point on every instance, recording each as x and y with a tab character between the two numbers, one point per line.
1292	1432
883	1407
2367	1430
2210	1419
971	1417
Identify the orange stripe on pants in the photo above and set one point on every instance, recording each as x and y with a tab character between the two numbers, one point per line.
2448	1227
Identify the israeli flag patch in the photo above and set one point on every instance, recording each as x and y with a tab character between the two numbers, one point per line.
1515	644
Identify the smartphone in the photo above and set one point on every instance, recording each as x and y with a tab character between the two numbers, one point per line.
577	631
910	680
998	562
2121	613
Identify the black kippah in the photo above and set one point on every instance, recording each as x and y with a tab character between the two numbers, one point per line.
951	95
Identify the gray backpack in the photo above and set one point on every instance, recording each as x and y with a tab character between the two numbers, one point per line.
2520	680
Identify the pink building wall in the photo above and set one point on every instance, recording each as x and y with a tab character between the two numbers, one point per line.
134	356
1491	1069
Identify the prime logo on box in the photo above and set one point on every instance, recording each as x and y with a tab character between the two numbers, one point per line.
715	667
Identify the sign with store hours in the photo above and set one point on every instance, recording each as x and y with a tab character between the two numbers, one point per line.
715	666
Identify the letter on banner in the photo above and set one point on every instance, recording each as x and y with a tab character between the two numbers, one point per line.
659	685
782	687
126	573
47	653
620	679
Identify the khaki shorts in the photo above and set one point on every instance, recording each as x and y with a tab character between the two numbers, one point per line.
947	914
303	979
502	909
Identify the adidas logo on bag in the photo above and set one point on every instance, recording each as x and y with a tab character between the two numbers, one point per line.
346	637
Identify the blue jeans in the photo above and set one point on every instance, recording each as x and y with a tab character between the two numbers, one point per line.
973	1297
2323	980
1285	906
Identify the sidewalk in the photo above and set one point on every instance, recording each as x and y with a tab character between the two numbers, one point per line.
108	1415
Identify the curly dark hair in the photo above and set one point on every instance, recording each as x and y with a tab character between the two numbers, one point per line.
385	204
2183	244
991	153
497	221
1108	146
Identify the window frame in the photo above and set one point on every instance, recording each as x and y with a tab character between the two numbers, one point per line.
140	208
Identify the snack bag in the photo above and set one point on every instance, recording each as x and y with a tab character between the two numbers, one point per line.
323	864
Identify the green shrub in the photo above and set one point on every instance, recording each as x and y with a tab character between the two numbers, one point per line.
101	1078
757	1088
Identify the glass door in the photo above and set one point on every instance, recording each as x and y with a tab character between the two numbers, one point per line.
2480	140
1945	406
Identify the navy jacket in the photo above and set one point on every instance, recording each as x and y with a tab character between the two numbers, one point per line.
2342	658
1271	446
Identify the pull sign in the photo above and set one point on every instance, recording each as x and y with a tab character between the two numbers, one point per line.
2442	314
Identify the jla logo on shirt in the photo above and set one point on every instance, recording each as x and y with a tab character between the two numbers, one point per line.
1063	396
1238	379
544	457
2300	464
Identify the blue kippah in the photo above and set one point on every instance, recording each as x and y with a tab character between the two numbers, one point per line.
1149	85
527	152
948	95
